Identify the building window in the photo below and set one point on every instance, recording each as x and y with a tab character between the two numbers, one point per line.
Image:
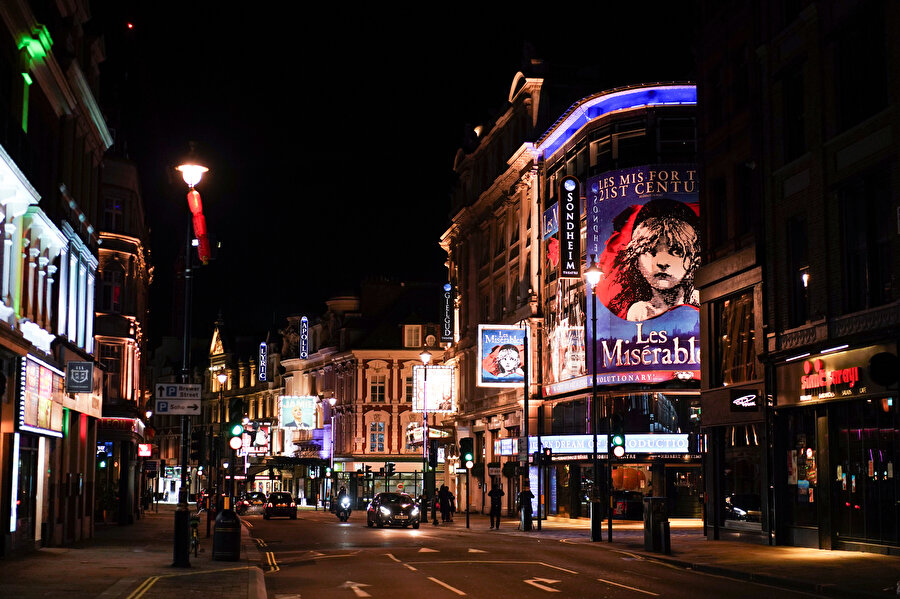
794	115
376	437
412	336
741	478
408	381
735	345
377	388
861	70
798	267
111	358
112	215
867	219
111	296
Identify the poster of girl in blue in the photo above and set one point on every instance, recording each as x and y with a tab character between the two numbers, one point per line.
502	352
644	232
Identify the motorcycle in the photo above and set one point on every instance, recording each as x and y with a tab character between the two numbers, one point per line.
343	510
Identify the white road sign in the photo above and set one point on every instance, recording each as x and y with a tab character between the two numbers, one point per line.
177	391
178	406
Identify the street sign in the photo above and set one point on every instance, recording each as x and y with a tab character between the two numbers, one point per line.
177	391
177	406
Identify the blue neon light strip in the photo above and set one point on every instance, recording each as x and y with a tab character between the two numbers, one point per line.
595	107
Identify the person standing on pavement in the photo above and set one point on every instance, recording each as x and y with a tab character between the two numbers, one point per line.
525	498
444	496
496	494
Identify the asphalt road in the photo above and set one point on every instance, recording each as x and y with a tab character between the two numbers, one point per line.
318	556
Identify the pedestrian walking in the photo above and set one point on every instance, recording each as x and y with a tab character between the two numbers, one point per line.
452	505
444	496
524	506
496	494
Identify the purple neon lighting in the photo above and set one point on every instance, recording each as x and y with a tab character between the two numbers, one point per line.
598	106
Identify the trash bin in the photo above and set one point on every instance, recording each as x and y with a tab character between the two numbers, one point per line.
656	525
227	537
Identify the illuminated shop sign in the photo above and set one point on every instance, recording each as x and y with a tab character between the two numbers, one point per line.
435	391
40	397
743	400
644	228
447	313
79	377
570	228
582	444
130	425
841	375
145	450
255	441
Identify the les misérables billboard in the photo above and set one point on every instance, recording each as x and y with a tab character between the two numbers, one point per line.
644	228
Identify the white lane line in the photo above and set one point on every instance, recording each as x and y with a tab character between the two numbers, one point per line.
411	568
447	586
625	586
391	555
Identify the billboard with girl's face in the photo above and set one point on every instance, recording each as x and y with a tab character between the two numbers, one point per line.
644	230
501	350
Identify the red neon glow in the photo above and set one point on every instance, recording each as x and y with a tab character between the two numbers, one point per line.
194	202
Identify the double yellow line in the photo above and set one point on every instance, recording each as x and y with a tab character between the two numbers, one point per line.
143	588
147	584
270	559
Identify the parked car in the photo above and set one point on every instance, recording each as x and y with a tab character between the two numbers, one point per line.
393	509
628	505
279	503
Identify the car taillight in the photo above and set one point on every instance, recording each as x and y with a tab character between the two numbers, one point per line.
268	505
292	504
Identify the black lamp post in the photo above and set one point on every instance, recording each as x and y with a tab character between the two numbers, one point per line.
192	171
425	356
592	277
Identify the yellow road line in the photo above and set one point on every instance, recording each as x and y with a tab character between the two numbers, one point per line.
143	587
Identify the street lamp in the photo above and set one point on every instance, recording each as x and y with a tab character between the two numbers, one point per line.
425	356
592	278
331	401
191	170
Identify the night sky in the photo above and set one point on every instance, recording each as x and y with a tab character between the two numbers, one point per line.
330	136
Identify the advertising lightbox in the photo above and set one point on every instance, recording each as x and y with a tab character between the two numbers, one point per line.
501	350
297	411
40	397
436	391
644	228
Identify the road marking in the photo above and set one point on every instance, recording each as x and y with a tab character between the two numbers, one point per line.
427	550
260	542
411	568
291	596
390	555
273	565
143	587
535	582
355	586
446	586
625	586
494	561
476	551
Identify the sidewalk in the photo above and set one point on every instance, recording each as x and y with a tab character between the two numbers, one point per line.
133	562
845	574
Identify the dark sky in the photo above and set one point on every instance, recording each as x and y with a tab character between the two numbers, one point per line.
330	135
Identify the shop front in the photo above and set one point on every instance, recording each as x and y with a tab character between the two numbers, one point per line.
836	450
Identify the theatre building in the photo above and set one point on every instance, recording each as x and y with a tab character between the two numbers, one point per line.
629	154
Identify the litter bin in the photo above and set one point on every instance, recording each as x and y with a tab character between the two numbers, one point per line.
656	525
227	537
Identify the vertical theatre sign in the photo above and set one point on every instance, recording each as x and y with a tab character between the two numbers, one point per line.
569	228
447	312
304	338
263	361
644	227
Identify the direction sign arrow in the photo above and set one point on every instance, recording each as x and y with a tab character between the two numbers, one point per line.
177	406
535	583
355	586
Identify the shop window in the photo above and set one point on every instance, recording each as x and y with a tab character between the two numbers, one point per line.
734	342
741	477
801	468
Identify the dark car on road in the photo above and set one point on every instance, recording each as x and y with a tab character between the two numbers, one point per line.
253	502
279	503
393	509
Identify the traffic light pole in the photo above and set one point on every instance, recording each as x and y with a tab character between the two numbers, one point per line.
181	557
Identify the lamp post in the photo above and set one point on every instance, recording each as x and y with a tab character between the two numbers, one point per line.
222	377
191	171
592	278
331	401
425	356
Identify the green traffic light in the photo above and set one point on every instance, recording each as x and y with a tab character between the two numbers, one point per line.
236	429
103	463
618	441
468	457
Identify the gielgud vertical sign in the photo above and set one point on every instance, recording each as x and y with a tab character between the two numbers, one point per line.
643	225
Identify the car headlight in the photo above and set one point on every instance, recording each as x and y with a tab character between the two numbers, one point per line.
385	511
739	511
414	511
345	503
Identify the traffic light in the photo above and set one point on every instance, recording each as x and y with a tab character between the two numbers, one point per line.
617	437
327	471
389	468
368	469
235	432
235	409
197	448
467	451
548	456
101	459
